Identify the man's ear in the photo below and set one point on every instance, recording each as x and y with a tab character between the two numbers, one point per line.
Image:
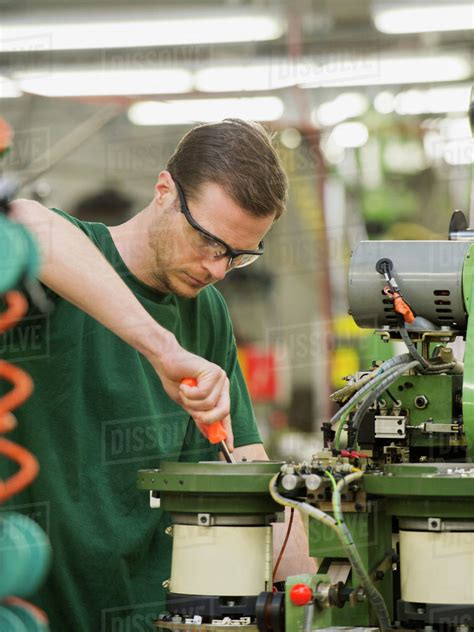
164	187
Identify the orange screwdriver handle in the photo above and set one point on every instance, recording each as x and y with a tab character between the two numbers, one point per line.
215	432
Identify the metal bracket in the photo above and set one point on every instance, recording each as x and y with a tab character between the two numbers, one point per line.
390	427
155	501
434	524
430	426
205	519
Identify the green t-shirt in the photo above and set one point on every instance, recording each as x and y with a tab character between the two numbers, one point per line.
98	414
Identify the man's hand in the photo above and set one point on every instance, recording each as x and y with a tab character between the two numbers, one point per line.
209	400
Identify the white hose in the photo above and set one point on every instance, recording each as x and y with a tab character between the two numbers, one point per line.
384	369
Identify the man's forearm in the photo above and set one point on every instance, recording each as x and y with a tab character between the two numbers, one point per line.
76	270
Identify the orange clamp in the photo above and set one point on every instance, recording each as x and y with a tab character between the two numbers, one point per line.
402	307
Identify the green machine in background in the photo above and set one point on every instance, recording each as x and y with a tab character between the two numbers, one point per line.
390	499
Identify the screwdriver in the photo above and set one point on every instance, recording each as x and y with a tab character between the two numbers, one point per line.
215	432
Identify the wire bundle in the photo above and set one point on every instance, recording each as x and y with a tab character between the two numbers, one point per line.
338	525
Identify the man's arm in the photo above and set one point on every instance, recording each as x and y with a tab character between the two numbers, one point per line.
296	558
76	270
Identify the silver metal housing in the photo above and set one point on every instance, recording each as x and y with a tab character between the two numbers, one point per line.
429	274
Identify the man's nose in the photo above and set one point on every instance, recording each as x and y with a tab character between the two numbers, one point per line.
217	268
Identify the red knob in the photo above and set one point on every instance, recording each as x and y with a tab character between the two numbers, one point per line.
301	594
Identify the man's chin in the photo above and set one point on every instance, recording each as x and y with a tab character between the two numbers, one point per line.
184	288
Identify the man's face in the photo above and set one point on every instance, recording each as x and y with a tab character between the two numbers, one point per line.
180	264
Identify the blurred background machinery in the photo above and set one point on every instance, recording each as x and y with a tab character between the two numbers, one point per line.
24	547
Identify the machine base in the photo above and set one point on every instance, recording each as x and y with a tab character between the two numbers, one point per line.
441	616
211	607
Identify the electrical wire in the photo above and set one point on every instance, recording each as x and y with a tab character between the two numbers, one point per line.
22	388
338	526
349	389
394	400
383	378
375	598
425	365
376	393
285	542
383	369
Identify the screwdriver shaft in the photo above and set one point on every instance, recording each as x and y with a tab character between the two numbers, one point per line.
229	457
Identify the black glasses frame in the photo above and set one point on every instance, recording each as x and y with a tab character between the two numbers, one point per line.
230	252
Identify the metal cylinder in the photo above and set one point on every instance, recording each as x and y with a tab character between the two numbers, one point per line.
429	274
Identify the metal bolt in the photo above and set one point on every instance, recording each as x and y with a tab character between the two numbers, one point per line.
166	584
169	530
434	524
204	519
421	401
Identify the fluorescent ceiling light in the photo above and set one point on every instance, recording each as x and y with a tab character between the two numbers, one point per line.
271	75
346	105
350	134
9	89
423	18
71	83
434	100
384	102
379	70
205	110
70	30
341	71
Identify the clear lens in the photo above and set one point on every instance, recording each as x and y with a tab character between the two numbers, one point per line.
243	260
202	245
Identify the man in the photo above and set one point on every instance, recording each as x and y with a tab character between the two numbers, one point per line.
130	322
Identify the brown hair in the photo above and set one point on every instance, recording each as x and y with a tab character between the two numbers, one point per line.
238	156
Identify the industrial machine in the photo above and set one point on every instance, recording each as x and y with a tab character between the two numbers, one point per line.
390	499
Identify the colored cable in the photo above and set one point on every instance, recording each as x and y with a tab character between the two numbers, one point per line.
285	542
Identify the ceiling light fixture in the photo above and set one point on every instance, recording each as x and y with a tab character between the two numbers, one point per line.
187	111
88	82
402	17
75	30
